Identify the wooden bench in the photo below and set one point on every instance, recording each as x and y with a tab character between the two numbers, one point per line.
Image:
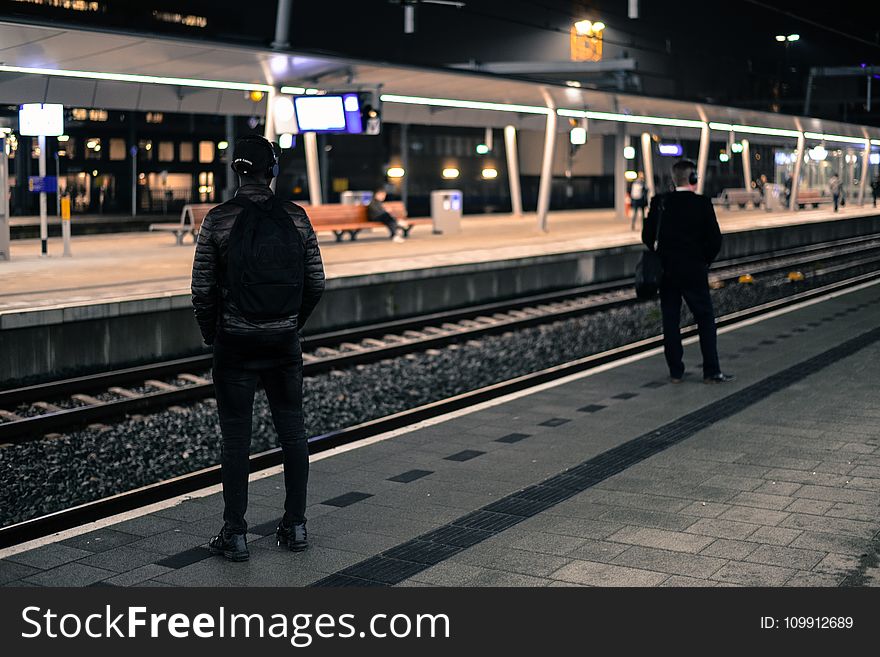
350	220
191	218
812	197
738	196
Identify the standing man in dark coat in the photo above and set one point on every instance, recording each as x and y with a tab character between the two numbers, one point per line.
689	241
248	350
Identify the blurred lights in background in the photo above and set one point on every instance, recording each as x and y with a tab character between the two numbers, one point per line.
630	175
629	152
450	172
489	173
395	172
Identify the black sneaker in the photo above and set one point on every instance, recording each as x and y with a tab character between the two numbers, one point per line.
294	537
721	377
231	546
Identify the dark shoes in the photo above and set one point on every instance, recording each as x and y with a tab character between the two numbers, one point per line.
294	537
231	546
721	377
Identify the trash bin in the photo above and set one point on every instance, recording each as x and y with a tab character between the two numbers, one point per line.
446	210
356	198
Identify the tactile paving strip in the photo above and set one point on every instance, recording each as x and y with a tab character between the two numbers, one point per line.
411	557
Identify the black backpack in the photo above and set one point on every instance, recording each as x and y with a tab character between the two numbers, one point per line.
649	269
265	258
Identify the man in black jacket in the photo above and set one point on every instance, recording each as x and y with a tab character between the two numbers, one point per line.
689	240
251	350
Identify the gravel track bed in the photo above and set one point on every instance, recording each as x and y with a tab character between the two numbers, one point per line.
44	476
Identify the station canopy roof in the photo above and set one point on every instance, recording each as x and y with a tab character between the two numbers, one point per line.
80	68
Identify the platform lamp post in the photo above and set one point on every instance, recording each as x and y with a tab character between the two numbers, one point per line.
43	120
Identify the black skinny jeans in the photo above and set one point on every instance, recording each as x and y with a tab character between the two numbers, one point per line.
239	363
694	288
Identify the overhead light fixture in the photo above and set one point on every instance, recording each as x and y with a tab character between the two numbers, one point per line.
630	175
723	157
841	138
395	172
63	137
130	77
629	153
222	145
780	37
573	83
463	104
670	150
630	118
578	136
753	129
482	149
295	91
736	147
285	141
818	154
450	173
489	173
794	37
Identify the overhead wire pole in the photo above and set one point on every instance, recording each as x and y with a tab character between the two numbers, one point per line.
513	169
620	173
747	163
546	184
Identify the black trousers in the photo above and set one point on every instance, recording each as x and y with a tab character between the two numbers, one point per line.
389	220
239	363
693	287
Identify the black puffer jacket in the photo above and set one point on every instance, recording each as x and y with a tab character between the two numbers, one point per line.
213	306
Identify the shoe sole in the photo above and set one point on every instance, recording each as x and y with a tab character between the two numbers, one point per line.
231	556
295	547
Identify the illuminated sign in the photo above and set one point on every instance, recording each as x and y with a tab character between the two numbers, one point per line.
35	119
670	150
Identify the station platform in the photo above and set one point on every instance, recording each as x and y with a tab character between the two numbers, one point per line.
125	300
137	265
611	477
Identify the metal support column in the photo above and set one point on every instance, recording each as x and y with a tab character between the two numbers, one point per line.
619	173
795	179
513	169
703	158
747	164
546	183
313	169
133	152
282	25
269	127
404	162
4	200
648	164
231	178
866	171
44	222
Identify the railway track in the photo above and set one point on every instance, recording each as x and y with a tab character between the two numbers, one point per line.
164	490
32	412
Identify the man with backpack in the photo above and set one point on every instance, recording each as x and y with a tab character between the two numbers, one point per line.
257	276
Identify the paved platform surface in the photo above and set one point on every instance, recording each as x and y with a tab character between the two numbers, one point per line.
136	265
612	478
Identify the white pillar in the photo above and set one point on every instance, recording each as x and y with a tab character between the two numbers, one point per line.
44	225
269	127
313	170
282	25
747	164
513	169
703	158
4	201
866	171
795	179
648	164
619	173
547	170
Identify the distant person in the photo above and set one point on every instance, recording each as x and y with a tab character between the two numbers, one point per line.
638	195
788	185
875	188
835	187
376	212
257	276
689	241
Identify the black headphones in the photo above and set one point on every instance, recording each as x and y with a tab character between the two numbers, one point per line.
274	150
692	176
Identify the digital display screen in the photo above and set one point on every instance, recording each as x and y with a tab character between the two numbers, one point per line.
328	113
671	150
36	119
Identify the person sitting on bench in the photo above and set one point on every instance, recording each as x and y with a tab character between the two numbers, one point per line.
377	212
